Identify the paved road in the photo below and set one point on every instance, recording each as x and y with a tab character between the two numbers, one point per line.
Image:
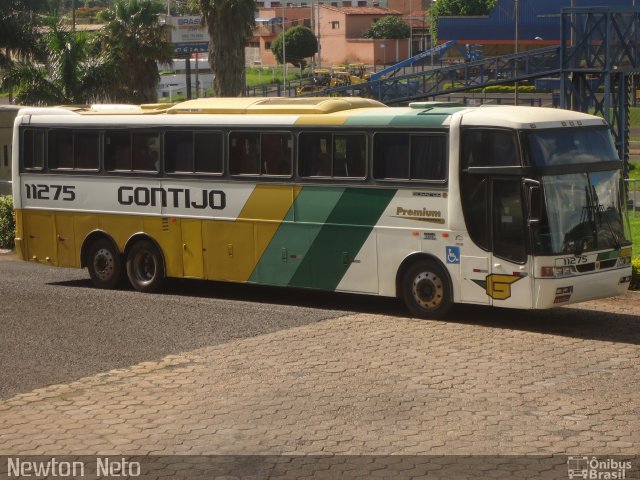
57	327
243	370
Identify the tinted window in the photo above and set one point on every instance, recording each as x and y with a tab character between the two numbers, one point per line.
570	146
404	156
474	197
193	152
125	151
508	221
276	153
208	152
252	153
86	150
489	148
60	149
117	150
244	153
332	155
145	151
33	151
178	152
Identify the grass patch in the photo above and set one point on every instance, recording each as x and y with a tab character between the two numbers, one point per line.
635	233
268	76
634	116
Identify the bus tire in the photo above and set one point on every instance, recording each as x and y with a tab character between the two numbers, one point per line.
104	264
145	267
426	290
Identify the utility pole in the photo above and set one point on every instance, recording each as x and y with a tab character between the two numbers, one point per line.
284	52
410	31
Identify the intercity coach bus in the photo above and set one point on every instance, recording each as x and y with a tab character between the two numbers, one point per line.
435	203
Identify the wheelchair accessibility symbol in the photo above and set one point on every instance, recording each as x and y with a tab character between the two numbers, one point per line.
453	254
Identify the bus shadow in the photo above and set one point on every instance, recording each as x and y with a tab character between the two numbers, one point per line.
565	321
599	325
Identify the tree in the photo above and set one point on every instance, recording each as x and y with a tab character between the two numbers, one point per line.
136	42
390	26
17	31
73	73
301	44
230	24
454	8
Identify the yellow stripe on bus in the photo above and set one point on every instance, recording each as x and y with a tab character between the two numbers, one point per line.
234	248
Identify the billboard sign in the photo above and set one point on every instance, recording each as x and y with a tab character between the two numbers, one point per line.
189	34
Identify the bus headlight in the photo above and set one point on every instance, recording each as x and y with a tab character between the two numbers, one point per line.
557	271
624	261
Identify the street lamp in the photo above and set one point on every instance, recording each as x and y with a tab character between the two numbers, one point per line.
384	54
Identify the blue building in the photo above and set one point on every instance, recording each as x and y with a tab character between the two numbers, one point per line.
538	24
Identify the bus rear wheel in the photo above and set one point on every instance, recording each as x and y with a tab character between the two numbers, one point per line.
145	267
104	264
426	290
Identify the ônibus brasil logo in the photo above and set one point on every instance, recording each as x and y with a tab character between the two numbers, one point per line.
593	468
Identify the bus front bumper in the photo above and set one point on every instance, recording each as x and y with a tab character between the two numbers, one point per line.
555	292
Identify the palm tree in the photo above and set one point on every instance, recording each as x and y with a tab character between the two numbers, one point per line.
137	42
17	31
71	74
230	24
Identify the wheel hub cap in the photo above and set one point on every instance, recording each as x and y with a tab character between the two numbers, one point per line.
427	290
103	264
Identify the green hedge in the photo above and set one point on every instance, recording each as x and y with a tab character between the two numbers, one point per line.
7	223
635	280
510	89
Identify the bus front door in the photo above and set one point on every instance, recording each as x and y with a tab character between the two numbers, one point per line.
509	283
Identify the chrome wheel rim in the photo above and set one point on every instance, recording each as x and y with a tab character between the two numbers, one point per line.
428	290
104	264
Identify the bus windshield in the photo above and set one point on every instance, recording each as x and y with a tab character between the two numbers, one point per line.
570	146
583	212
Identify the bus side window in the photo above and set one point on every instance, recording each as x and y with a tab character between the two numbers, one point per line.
60	148
276	153
315	154
489	148
145	152
428	157
244	153
349	157
117	151
391	156
208	152
178	152
33	156
86	150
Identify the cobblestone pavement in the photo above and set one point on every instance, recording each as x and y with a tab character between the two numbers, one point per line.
557	381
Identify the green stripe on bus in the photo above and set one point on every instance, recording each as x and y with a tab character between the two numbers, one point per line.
289	246
608	255
341	238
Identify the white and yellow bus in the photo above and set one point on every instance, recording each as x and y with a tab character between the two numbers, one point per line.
434	203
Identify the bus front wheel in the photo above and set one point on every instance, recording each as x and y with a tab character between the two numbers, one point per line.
145	267
426	290
104	264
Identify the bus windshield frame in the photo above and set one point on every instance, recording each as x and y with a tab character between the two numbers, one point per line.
583	192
